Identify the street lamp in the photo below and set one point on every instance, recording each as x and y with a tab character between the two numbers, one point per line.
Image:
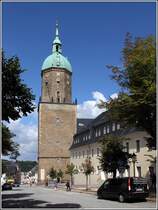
134	159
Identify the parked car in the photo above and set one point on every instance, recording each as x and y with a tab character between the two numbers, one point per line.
7	186
16	185
124	189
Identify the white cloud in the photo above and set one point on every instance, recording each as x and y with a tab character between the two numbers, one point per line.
114	95
89	109
26	135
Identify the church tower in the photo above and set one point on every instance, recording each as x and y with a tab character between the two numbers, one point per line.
57	113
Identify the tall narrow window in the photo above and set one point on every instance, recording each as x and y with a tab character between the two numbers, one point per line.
118	126
58	96
92	152
113	127
104	131
139	171
138	146
108	129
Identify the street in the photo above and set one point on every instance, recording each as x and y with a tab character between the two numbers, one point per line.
38	196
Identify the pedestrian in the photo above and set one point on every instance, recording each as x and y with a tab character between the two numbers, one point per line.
55	184
68	186
30	183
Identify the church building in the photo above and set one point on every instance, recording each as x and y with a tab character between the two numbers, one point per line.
56	112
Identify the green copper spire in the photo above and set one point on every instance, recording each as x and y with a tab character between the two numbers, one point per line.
57	42
56	59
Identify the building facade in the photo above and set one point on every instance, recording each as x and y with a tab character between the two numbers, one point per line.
56	112
86	145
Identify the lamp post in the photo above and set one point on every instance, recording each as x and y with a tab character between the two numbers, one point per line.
134	159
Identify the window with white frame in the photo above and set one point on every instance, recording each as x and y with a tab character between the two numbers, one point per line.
99	132
108	129
118	126
104	130
79	154
113	126
92	152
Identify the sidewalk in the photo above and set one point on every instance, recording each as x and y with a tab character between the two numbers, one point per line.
93	190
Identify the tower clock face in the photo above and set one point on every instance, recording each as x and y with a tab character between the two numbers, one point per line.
58	121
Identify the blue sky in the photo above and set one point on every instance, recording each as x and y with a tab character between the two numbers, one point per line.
92	35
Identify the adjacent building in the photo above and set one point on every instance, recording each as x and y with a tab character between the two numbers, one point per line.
86	144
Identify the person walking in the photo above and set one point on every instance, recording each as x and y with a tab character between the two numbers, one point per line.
68	186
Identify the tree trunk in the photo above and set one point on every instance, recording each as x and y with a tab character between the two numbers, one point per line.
86	182
71	180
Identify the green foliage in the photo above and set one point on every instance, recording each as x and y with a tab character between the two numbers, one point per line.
60	173
15	153
87	169
53	173
26	166
136	102
113	156
16	99
7	142
71	170
16	96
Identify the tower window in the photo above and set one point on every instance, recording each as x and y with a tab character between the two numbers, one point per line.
58	96
57	48
58	81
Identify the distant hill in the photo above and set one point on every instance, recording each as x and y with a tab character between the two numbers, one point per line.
24	166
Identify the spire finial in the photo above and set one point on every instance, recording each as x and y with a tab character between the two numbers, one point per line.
57	42
57	29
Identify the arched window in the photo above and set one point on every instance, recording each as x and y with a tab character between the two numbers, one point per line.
58	96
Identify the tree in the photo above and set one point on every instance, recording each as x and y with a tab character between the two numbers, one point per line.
17	98
136	102
60	174
53	173
113	157
15	153
71	170
7	142
87	169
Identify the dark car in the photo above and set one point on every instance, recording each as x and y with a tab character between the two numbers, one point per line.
124	189
7	186
16	185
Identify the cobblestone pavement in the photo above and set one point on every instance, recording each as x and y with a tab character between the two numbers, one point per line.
47	197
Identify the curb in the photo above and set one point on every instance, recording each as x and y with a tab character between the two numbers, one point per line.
151	199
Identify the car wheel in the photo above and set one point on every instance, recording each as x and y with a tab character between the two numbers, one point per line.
121	198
